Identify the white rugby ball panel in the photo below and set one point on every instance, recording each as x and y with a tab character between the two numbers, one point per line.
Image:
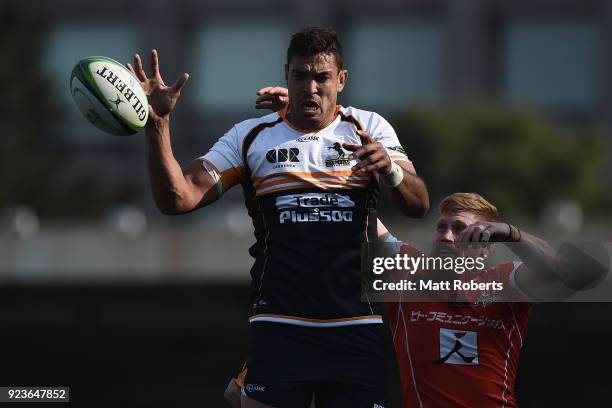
121	90
94	111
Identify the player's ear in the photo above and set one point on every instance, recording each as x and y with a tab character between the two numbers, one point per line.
286	72
342	78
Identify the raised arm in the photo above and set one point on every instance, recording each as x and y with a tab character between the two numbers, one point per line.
555	275
407	189
175	190
545	274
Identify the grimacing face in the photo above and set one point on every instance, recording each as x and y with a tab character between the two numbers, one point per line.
313	83
448	231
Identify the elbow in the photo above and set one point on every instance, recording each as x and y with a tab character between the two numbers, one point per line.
417	206
169	210
174	205
423	208
418	209
416	201
179	204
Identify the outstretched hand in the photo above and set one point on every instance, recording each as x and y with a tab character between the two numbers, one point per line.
162	98
275	98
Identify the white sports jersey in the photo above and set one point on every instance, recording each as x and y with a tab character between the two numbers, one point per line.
310	211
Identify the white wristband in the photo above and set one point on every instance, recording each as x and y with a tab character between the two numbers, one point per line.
396	176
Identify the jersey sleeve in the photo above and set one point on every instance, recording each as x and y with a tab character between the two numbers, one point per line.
506	273
388	245
391	247
224	161
384	133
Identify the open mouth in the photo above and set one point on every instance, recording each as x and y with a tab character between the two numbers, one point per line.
310	106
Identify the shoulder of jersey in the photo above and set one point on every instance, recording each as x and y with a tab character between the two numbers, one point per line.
244	127
367	119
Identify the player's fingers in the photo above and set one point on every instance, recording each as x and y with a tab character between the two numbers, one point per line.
485	235
376	159
265	98
461	241
374	167
365	136
279	90
155	65
477	236
264	105
137	62
472	236
264	90
364	151
140	74
133	71
264	102
363	166
350	147
464	237
180	81
474	233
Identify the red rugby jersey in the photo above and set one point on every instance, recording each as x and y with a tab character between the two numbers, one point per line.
459	354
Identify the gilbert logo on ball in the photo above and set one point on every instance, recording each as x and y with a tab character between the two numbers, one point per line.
109	96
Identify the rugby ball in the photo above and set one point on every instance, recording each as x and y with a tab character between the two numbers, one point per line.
109	96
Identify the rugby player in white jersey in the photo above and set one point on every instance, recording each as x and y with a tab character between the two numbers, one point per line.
311	176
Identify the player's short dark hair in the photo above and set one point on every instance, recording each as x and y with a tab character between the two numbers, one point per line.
312	41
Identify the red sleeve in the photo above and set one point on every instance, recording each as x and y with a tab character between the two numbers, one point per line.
505	273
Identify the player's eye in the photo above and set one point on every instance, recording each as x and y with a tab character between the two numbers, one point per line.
459	228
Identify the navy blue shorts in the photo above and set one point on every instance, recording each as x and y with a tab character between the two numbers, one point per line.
338	366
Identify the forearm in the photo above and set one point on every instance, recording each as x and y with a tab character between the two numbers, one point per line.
411	195
544	264
168	184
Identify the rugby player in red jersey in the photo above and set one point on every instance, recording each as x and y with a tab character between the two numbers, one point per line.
466	354
311	176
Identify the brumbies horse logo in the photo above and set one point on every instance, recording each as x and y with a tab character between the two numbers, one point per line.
341	160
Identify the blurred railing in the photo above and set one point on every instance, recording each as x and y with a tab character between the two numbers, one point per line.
92	253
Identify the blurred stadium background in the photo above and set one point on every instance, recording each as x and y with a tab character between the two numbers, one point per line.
100	292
